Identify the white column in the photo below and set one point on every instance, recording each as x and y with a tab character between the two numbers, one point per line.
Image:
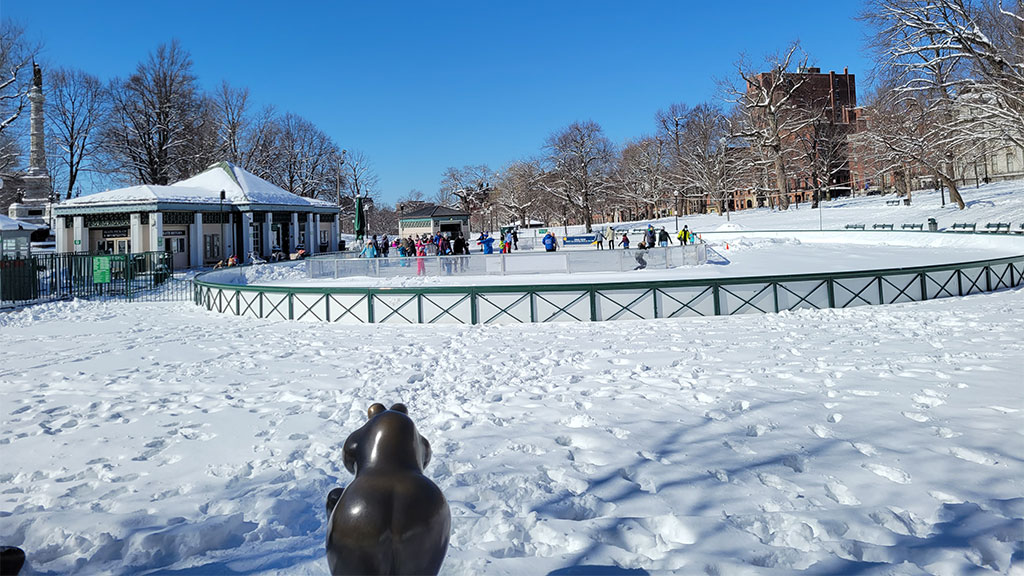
293	232
196	241
312	234
246	235
60	234
80	235
334	235
136	233
156	231
268	233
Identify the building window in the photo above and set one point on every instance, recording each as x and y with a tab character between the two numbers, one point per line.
211	247
1009	161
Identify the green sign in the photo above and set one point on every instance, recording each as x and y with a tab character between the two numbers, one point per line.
101	270
78	242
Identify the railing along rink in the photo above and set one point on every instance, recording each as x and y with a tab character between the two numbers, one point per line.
558	262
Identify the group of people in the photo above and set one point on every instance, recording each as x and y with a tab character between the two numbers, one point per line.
507	242
651	238
426	245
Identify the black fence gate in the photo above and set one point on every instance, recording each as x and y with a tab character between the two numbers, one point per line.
146	276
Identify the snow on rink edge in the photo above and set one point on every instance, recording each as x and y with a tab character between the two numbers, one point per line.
160	437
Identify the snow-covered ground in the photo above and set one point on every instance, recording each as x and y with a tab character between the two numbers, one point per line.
998	202
162	438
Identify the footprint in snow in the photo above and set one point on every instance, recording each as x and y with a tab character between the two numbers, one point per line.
778	483
925	401
889	473
822	431
839	492
971	456
864	448
915	416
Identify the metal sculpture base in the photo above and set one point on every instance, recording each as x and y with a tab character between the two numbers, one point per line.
391	519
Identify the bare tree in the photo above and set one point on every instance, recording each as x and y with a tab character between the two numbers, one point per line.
358	176
77	105
17	53
155	116
713	162
466	188
246	138
771	116
641	174
580	157
308	165
519	190
989	35
926	73
671	130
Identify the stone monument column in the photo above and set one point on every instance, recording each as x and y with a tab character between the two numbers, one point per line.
37	154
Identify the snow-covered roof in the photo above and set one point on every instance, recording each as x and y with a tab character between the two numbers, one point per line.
240	188
7	223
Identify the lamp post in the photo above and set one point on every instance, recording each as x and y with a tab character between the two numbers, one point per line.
820	202
675	209
223	244
341	164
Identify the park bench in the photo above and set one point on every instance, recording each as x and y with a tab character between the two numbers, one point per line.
963	227
892	202
854	226
913	227
998	227
881	226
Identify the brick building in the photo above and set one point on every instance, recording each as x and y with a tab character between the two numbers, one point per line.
834	96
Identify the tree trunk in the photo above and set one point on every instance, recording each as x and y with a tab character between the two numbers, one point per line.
780	181
954	193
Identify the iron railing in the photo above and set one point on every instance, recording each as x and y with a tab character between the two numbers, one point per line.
146	276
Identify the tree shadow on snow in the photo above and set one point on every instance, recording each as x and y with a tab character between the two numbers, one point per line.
583	570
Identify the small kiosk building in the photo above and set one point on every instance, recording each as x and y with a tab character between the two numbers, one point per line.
431	220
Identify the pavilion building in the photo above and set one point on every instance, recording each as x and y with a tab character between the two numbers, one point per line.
202	220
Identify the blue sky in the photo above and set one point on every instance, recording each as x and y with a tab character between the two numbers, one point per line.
420	86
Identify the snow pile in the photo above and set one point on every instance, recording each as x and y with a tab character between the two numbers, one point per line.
275	272
729	227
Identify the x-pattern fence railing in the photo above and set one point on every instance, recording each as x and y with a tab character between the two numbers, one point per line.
611	301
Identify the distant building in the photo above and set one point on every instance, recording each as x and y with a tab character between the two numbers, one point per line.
835	96
432	219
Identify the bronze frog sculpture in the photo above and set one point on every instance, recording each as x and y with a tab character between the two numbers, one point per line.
391	519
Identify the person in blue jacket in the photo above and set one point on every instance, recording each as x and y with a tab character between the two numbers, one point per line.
369	251
550	242
487	242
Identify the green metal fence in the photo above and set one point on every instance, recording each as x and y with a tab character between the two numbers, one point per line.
147	276
607	301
